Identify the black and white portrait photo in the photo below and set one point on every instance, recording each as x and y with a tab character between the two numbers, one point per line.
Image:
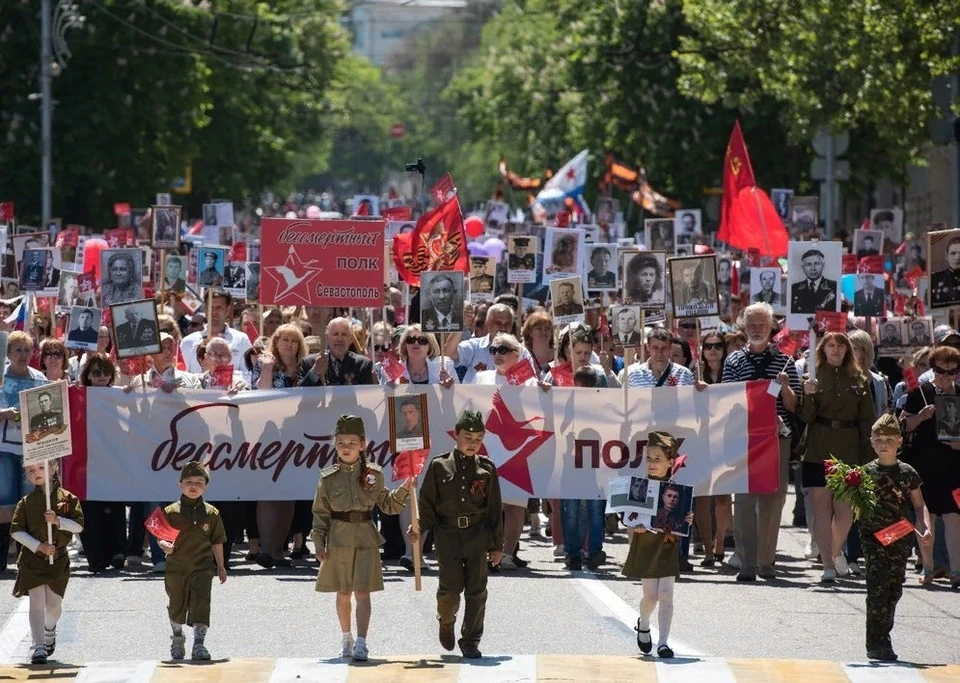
607	209
45	410
889	222
409	426
867	243
919	331
521	259
495	216
210	215
69	292
601	275
28	240
869	298
211	265
482	269
948	417
33	269
804	213
781	201
84	326
567	298
253	281
174	273
441	301
235	279
563	253
693	285
643	279
642	493
814	280
943	252
121	278
625	326
658	233
165	229
891	337
686	223
766	286
135	328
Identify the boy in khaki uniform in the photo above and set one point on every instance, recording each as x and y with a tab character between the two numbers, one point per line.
191	560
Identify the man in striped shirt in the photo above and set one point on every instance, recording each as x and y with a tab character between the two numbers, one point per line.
658	371
756	524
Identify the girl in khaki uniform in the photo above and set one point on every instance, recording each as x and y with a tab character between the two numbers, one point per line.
346	541
45	583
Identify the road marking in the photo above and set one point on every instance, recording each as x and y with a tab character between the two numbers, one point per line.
506	669
694	671
14	631
605	600
333	670
116	672
882	673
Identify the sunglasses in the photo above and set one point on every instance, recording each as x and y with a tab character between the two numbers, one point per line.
716	346
422	341
381	349
53	354
502	350
943	371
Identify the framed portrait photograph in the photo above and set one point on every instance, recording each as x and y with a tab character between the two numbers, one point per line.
948	417
781	201
10	288
683	247
33	269
442	294
482	270
566	297
693	285
174	273
658	234
687	223
891	337
674	503
46	415
607	210
869	297
83	328
521	259
135	329
601	268
766	286
644	274
804	214
943	252
28	240
813	270
165	228
625	327
68	295
253	280
867	243
409	423
210	216
495	215
121	275
365	205
889	222
211	266
235	279
632	495
917	332
563	253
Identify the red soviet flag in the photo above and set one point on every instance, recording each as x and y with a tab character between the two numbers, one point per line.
439	242
737	175
158	525
409	463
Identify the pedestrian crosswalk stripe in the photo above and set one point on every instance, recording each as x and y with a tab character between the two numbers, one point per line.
448	668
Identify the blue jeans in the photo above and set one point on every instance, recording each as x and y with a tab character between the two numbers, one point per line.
582	519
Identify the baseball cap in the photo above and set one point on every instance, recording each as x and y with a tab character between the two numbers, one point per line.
942	333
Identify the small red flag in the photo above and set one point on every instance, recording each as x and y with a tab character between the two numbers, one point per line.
442	188
912	276
69	237
121	209
253	334
872	265
831	321
392	367
520	373
238	252
409	463
6	212
396	213
363	209
222	377
562	375
158	525
120	237
785	341
899	304
894	532
562	219
849	264
910	378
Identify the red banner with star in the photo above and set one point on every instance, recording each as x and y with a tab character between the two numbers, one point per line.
312	262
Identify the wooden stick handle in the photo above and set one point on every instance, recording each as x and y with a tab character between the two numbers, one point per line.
47	492
415	513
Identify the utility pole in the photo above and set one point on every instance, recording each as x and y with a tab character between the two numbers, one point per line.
46	111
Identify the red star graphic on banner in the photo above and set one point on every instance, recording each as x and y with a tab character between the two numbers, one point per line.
517	438
293	280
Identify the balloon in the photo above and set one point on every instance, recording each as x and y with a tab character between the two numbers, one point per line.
476	249
91	256
313	211
473	225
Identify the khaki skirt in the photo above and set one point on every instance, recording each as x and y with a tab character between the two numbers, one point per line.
350	569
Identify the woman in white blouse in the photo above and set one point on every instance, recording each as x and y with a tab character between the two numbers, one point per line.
420	358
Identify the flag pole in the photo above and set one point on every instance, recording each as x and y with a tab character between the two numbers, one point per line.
47	494
417	545
812	353
699	352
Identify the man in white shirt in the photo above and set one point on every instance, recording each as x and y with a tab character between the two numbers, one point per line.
220	312
474	353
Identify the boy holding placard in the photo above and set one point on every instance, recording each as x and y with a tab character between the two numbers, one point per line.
886	534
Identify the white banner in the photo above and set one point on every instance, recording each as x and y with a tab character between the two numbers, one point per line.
561	443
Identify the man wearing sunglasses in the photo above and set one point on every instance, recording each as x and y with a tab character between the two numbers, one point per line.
474	353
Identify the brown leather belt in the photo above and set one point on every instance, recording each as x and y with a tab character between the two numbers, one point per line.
836	424
461	522
355	516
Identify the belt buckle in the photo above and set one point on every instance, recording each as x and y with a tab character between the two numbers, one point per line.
463	521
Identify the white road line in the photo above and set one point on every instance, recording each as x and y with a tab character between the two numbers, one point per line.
508	669
14	631
606	601
882	673
714	670
310	671
116	672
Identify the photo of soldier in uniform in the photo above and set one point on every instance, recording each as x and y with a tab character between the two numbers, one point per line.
84	327
890	334
674	509
409	427
814	274
567	298
441	301
644	279
869	299
47	412
135	328
165	229
867	243
943	252
948	417
889	222
659	235
482	269
602	273
33	269
235	279
521	259
693	285
919	332
211	265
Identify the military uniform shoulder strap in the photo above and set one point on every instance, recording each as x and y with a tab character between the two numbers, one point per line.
327	471
374	466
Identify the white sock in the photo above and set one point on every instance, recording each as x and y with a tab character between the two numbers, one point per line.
347	635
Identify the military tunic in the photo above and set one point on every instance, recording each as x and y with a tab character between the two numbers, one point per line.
652	555
460	500
945	288
34	569
353	547
838	418
191	565
886	566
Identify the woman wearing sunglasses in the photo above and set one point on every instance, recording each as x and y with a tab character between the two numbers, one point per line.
937	462
420	357
54	360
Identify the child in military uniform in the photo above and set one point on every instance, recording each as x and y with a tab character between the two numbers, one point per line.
896	484
45	583
192	560
346	541
654	556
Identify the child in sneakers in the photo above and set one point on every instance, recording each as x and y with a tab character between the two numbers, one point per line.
655	557
192	560
346	542
43	582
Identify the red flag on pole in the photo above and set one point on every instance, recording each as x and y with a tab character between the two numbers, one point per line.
439	242
158	525
409	463
442	188
737	175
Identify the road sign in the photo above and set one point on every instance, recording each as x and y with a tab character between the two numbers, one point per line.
841	169
397	130
840	143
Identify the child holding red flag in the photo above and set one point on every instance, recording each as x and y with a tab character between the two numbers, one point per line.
44	581
885	550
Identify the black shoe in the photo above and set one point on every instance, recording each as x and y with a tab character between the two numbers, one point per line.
118	561
406	563
493	568
594	561
265	561
664	652
685	565
647	645
574	564
470	650
747	575
299	553
882	654
447	637
283	562
520	563
707	561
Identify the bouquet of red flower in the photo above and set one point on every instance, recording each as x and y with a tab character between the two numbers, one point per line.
851	486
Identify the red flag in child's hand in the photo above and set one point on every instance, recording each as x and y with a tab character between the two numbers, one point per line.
409	464
392	367
910	378
894	532
158	525
562	375
519	373
785	341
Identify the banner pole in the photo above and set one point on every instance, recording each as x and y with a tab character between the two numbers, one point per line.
163	278
260	311
643	335
812	354
699	352
47	493
415	513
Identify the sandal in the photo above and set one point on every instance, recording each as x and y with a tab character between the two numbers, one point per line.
645	647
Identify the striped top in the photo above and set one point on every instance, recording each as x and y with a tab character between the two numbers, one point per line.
743	366
640	375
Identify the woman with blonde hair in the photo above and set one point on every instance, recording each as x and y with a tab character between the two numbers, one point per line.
838	409
420	358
